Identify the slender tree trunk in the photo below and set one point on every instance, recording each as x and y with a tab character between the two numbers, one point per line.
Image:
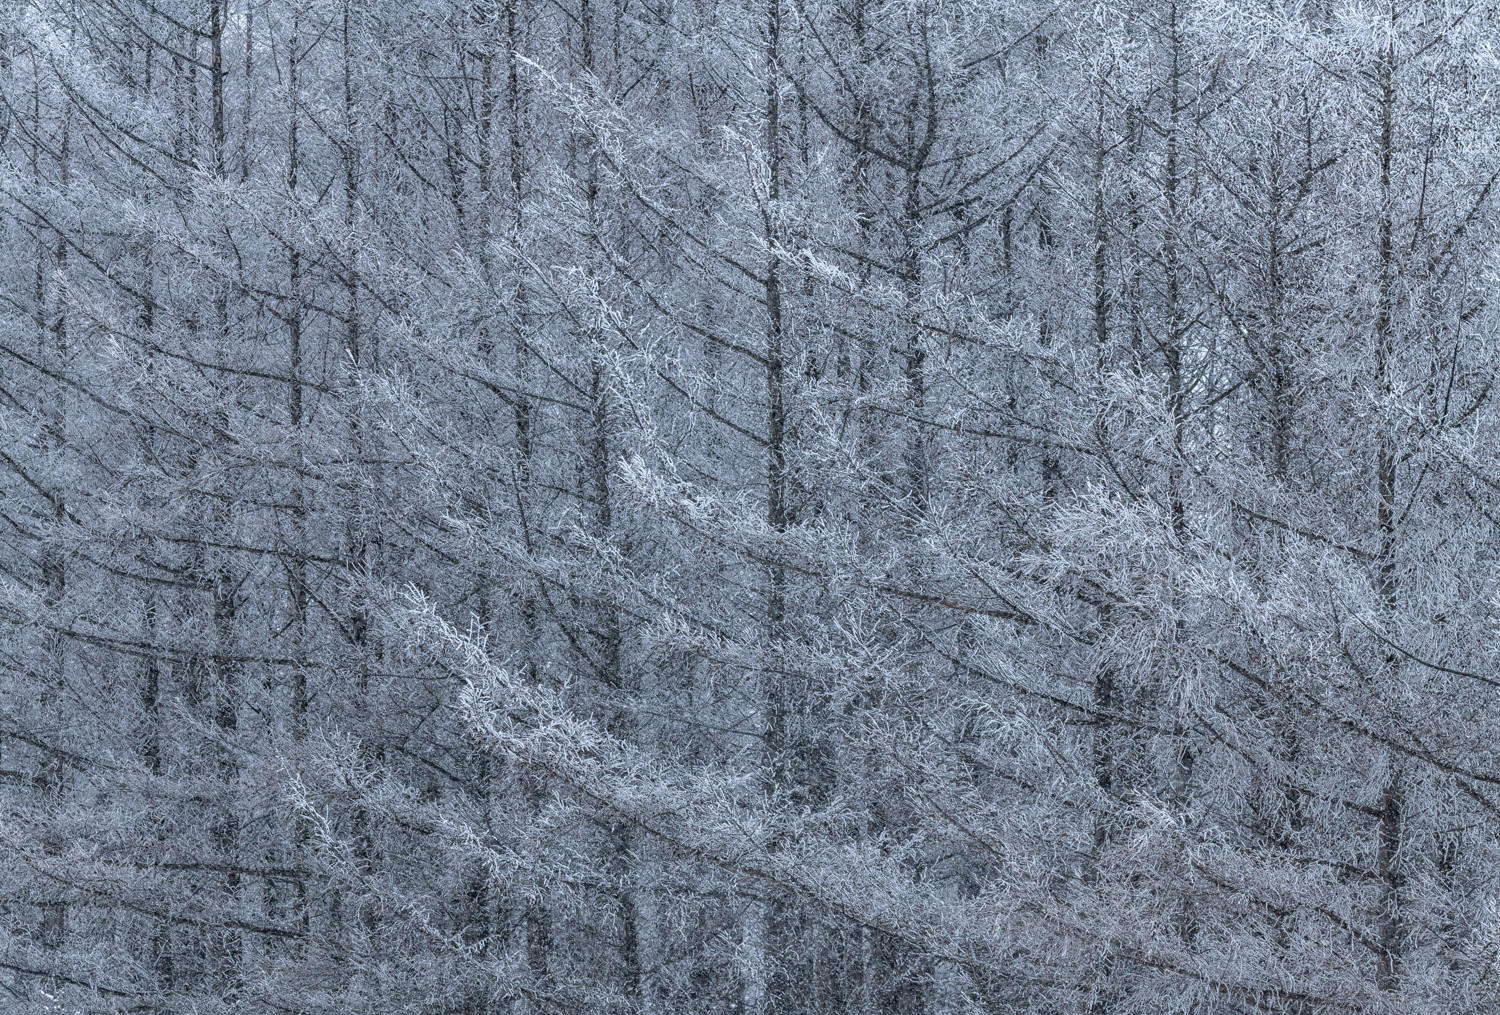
225	582
54	777
297	570
783	930
917	482
599	459
1105	750
1177	394
1392	798
535	920
361	535
247	106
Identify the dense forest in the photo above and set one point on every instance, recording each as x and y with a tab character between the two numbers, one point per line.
779	507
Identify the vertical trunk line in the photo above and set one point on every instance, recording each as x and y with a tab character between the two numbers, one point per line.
1392	800
1105	762
534	918
226	587
297	576
53	777
783	932
1176	391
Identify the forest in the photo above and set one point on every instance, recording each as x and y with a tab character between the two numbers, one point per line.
749	507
